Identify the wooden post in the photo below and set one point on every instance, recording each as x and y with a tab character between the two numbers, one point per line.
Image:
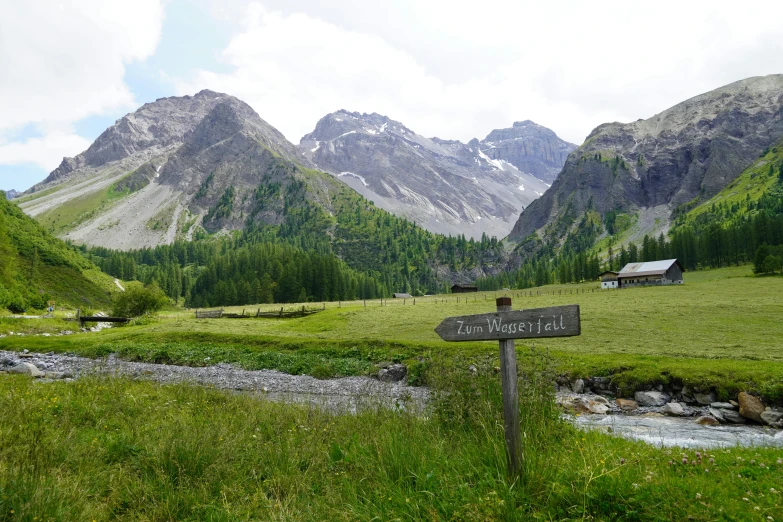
365	303
508	374
414	302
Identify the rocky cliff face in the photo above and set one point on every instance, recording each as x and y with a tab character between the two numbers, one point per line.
445	186
650	167
11	194
168	167
530	147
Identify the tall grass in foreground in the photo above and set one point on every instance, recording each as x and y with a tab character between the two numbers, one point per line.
129	450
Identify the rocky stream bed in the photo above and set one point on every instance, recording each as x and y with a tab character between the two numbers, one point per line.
682	417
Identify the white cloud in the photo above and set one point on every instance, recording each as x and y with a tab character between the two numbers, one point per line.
63	61
45	151
458	69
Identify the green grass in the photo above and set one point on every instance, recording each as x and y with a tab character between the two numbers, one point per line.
129	450
721	329
78	210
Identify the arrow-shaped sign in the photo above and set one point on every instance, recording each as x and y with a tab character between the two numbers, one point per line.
555	321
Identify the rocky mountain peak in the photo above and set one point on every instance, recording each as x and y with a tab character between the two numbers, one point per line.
444	185
649	167
153	128
530	147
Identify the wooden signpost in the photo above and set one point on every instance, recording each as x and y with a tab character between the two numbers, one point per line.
504	326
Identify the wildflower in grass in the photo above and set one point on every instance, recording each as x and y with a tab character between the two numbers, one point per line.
745	499
635	485
780	461
773	490
622	460
712	461
698	495
684	460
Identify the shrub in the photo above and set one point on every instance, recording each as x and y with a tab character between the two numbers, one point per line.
139	300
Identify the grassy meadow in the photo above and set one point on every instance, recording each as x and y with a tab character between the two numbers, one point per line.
721	329
118	449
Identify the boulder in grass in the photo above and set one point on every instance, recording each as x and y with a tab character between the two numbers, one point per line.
26	368
394	373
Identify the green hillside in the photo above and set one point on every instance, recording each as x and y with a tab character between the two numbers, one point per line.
36	267
741	196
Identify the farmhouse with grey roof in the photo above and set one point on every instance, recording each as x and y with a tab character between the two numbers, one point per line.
667	272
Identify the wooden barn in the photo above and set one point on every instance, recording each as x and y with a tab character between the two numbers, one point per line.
666	272
401	295
463	289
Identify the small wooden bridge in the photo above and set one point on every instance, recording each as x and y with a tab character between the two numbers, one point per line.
98	319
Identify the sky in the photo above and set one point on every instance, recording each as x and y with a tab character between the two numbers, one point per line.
448	68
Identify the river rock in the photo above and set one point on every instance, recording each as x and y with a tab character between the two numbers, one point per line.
750	407
687	395
651	398
771	417
394	373
26	368
705	398
674	409
627	404
733	417
708	420
574	404
723	405
578	386
597	407
718	414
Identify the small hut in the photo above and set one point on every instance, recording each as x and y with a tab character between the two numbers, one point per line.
609	279
401	295
463	289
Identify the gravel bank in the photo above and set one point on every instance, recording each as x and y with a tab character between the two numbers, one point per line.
347	394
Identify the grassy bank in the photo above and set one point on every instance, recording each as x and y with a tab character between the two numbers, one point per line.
126	450
721	329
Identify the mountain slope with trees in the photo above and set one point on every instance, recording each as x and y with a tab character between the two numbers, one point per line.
36	267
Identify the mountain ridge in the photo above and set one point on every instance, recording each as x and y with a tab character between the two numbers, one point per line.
445	185
649	167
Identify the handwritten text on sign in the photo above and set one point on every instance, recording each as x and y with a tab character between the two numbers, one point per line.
555	321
